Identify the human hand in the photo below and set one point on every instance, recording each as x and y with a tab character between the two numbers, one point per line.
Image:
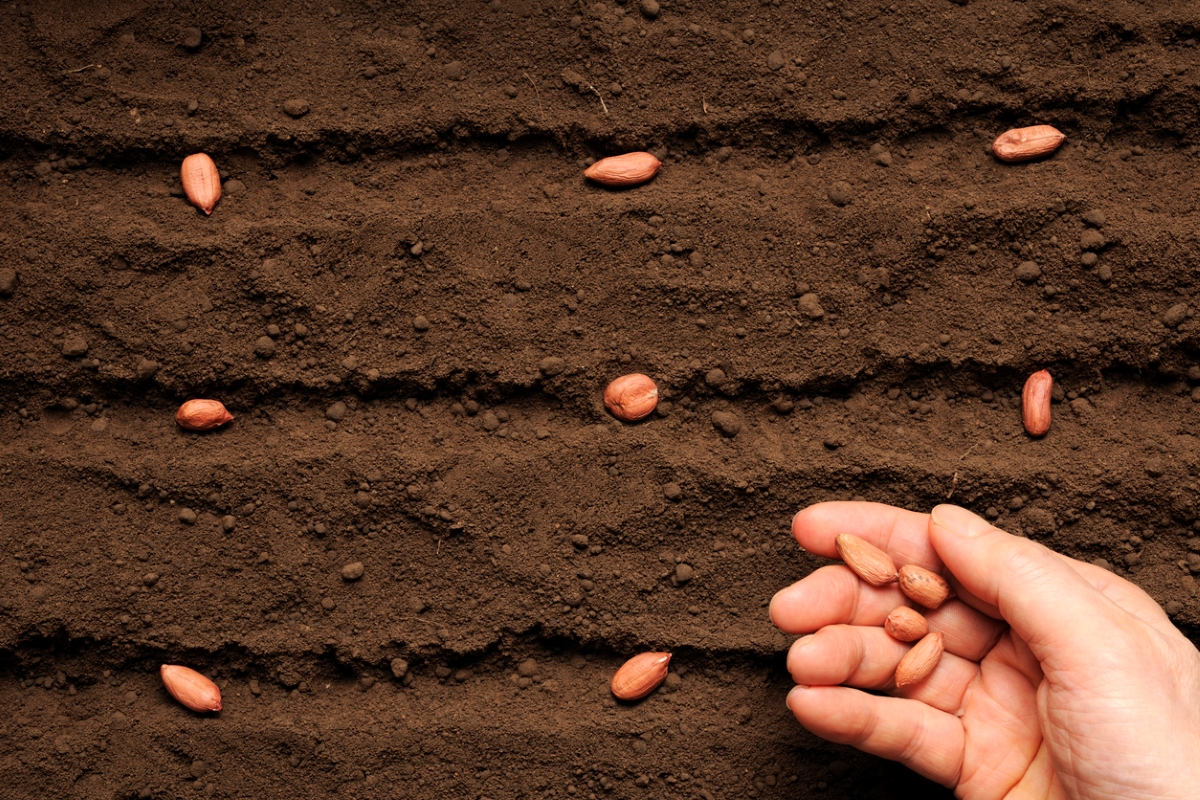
1059	678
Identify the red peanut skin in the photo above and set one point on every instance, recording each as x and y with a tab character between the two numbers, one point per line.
1035	403
202	415
631	397
201	181
1026	144
190	688
630	169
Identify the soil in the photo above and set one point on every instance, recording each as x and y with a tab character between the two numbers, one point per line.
411	301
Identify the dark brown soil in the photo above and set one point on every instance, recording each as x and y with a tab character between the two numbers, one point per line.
420	246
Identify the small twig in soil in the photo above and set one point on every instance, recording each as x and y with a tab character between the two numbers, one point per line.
81	69
953	485
704	104
541	110
597	91
972	447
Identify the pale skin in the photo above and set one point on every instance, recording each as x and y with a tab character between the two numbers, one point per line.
1059	679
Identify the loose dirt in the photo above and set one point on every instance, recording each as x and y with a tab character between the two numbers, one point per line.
417	555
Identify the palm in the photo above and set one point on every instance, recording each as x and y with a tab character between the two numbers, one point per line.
1003	752
1088	693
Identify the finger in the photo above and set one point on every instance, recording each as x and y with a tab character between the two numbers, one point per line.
904	535
1127	595
969	633
927	741
1048	603
866	658
836	654
835	596
832	596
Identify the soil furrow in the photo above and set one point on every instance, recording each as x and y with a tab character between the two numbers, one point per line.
430	732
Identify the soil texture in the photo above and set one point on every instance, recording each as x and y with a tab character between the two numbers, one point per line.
419	552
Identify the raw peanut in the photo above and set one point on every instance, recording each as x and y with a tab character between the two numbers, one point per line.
1023	144
640	675
923	587
868	562
201	181
1035	403
906	624
631	397
191	688
920	660
202	415
630	169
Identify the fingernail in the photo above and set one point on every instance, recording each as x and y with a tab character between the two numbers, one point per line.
959	521
803	640
795	694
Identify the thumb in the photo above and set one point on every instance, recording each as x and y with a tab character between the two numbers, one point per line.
1061	616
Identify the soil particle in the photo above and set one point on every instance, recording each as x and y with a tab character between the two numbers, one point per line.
727	423
673	492
1096	218
454	71
336	412
551	366
1028	272
1175	315
8	281
650	9
352	571
264	347
1092	239
295	107
571	78
192	38
146	369
187	516
840	193
810	306
1038	522
74	347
